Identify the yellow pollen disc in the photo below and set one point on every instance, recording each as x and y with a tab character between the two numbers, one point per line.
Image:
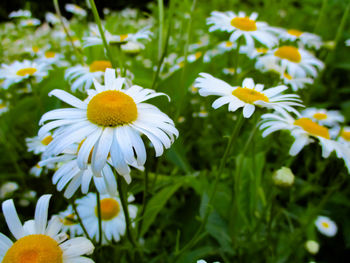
38	166
35	49
26	71
69	220
30	23
181	64
320	116
123	37
249	95
345	135
198	55
100	65
109	208
325	224
34	249
228	44
47	140
194	89
312	127
287	76
244	23
2	106
288	52
50	54
294	32
261	50
231	70
111	108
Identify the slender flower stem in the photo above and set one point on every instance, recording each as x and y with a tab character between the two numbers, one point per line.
79	219
98	22
199	233
161	22
58	12
98	202
144	202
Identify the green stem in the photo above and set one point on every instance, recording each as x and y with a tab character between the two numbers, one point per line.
79	219
321	16
76	50
144	202
98	202
160	33
98	22
239	43
208	209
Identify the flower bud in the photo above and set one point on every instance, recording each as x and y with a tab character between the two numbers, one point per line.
283	177
312	246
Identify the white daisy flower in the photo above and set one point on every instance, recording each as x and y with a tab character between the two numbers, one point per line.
36	170
326	226
306	39
305	131
203	42
295	82
296	61
7	189
19	71
242	25
75	9
20	13
112	215
231	71
324	117
39	239
29	22
81	77
253	53
52	18
248	96
70	222
49	57
111	120
38	144
180	62
226	46
95	39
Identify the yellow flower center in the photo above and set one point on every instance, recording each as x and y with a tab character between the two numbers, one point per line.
123	37
50	54
320	116
288	52
69	220
261	50
312	127
109	208
228	44
34	249
249	95
2	106
47	140
325	224
35	49
37	166
287	76
244	23
100	65
294	32
181	64
26	71
198	54
111	108
345	135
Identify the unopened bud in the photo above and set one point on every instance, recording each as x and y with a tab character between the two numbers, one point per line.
312	246
283	177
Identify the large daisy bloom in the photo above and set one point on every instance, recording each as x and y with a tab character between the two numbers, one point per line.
38	240
95	38
324	117
82	77
326	226
305	131
111	121
242	25
246	96
296	61
19	71
305	38
112	215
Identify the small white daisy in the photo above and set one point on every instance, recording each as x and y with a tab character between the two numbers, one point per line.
95	38
305	38
324	117
305	131
295	82
19	71
20	13
7	189
38	144
247	96
296	61
111	120
75	9
226	46
253	53
29	22
39	239
326	226
242	25
81	77
70	222
49	58
112	215
36	170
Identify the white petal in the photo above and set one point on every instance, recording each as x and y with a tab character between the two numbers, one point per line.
41	211
54	226
248	110
101	151
76	247
12	220
68	98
